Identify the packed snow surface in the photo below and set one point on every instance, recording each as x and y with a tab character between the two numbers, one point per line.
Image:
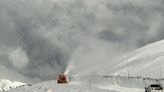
97	84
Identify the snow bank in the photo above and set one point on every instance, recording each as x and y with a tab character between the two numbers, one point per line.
146	62
7	84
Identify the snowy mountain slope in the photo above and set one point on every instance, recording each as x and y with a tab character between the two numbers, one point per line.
146	61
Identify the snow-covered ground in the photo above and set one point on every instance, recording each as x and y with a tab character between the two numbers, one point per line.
146	61
7	84
97	84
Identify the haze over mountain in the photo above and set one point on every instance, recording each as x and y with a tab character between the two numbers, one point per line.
39	38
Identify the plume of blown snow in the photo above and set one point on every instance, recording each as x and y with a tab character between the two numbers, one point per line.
51	37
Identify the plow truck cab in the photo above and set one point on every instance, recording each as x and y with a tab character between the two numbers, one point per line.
62	79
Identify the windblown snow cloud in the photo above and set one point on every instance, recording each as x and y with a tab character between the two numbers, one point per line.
39	37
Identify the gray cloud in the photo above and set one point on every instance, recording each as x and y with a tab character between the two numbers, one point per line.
51	33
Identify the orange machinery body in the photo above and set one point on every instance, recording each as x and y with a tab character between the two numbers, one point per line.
62	79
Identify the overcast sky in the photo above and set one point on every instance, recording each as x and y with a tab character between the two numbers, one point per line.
39	38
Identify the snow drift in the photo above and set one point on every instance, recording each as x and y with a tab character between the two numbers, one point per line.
146	61
8	85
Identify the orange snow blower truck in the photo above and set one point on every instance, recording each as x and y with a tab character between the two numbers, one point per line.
62	79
